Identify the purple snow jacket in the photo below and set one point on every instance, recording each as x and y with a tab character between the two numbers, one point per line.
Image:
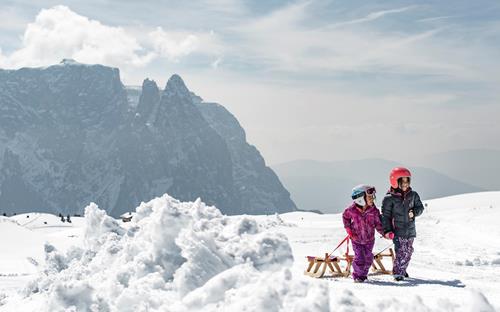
362	224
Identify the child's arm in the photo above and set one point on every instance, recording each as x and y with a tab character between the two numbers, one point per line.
418	206
346	218
386	217
378	224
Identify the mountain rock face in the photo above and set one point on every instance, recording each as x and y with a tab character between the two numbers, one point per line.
258	186
69	136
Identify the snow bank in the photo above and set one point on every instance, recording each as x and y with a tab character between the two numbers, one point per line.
20	248
173	256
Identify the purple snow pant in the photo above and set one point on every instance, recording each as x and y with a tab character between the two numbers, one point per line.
404	250
363	259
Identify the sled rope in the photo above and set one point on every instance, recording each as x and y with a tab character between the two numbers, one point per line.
340	244
389	246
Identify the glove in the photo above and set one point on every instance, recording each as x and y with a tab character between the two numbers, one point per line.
389	235
349	232
411	214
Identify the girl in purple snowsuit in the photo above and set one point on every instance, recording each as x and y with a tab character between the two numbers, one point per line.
361	219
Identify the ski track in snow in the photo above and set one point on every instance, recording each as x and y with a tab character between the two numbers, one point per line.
455	266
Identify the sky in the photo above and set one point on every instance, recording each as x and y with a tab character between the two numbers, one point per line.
317	79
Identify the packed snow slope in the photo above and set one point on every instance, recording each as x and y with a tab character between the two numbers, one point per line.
185	256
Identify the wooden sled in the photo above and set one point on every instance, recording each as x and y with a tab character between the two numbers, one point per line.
378	266
317	266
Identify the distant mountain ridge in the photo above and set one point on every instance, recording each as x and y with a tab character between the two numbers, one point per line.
480	167
69	135
326	186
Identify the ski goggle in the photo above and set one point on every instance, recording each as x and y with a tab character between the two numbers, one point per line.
360	193
371	191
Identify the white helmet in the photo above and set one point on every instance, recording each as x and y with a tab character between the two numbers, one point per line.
359	192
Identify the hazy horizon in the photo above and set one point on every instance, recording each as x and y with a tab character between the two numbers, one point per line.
409	162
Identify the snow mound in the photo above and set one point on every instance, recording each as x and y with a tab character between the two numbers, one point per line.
173	256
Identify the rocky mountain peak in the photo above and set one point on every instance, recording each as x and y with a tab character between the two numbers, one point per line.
176	86
148	100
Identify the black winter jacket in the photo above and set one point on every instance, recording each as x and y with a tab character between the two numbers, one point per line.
395	212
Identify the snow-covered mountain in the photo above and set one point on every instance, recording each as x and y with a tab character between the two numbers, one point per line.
186	256
69	135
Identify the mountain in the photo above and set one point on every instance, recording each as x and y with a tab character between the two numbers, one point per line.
478	166
258	186
326	186
69	135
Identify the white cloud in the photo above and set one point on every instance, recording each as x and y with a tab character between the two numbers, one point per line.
286	41
176	44
59	33
173	45
372	16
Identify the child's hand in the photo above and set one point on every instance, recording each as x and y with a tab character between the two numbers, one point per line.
351	235
389	235
411	214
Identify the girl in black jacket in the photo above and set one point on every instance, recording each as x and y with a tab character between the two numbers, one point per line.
399	208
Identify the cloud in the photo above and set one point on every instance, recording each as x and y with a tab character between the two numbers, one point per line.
176	44
292	40
372	16
59	33
436	18
173	45
286	40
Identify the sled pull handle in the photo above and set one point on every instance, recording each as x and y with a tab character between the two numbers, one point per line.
340	244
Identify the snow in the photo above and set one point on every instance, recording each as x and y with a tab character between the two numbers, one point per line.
14	259
186	256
